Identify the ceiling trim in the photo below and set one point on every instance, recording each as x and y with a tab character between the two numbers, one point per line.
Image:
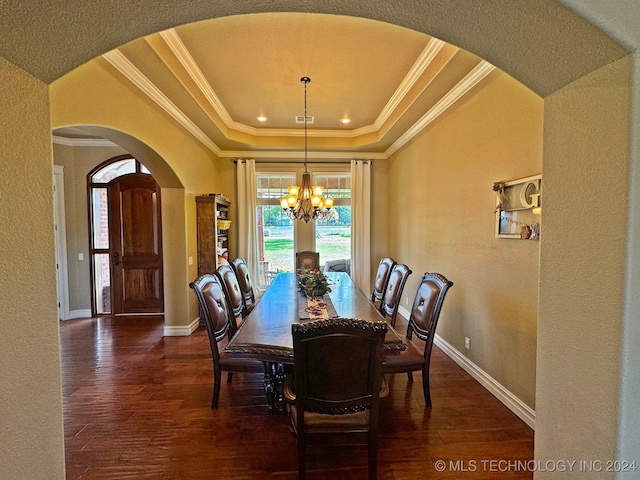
299	155
273	154
180	50
83	142
467	83
129	70
418	68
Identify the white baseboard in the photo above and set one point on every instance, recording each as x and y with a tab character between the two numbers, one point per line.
517	406
181	330
513	403
83	313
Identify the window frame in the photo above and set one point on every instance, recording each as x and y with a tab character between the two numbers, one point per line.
304	235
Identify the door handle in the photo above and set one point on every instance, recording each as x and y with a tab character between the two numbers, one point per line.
116	258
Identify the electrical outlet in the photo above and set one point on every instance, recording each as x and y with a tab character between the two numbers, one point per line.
406	301
467	343
190	260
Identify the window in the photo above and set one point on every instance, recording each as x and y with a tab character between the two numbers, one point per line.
279	237
333	235
275	231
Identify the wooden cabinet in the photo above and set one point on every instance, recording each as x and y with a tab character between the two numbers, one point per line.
212	217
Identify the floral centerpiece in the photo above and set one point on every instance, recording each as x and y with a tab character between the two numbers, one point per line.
313	283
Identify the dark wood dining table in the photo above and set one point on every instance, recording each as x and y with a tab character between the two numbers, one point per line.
265	335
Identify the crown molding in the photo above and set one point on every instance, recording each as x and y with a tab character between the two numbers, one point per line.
467	83
418	68
135	76
83	142
299	155
270	154
179	49
129	70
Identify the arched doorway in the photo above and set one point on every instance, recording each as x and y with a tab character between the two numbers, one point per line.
125	234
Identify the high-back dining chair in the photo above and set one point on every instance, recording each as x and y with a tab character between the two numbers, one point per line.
337	383
343	265
393	292
307	260
423	320
233	294
382	277
213	306
246	284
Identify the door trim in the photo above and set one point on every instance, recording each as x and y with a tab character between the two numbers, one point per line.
62	270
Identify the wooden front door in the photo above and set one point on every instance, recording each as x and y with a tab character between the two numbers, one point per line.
136	245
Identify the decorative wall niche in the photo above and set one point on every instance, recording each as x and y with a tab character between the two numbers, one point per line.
518	208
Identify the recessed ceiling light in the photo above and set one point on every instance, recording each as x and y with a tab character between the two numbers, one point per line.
345	120
262	118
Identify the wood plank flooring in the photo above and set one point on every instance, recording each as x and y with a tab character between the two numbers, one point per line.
137	406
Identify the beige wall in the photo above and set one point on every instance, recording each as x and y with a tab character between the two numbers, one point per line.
77	163
586	164
440	218
31	399
95	95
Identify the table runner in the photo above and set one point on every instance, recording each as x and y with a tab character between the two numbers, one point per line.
316	308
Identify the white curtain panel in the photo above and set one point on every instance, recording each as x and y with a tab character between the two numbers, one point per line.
247	235
361	224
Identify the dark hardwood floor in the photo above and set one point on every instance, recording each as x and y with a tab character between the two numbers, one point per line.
137	406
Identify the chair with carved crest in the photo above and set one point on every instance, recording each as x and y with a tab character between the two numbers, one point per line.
334	393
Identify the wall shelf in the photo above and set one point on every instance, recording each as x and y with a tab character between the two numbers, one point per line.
515	204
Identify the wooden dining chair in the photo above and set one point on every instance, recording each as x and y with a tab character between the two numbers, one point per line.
393	292
233	294
334	393
213	306
246	284
307	260
382	277
423	320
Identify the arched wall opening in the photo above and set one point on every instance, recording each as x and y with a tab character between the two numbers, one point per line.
575	129
174	217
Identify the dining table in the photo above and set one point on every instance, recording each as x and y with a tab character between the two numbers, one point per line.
265	334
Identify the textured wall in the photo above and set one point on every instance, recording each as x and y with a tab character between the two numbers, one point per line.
77	163
30	398
582	263
95	95
442	220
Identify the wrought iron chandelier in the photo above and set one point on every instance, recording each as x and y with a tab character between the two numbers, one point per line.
305	202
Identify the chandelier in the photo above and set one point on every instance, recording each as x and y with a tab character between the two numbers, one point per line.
305	202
